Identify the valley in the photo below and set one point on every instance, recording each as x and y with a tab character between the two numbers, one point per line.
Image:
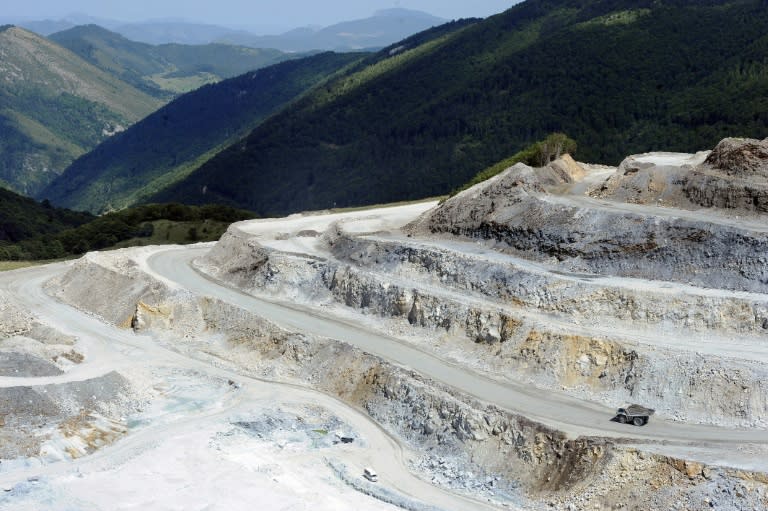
470	369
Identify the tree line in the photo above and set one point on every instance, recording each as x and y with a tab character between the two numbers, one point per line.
106	231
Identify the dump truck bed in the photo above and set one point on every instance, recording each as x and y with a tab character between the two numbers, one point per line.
633	410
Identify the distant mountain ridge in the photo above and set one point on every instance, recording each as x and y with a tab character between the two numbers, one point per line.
54	106
166	69
382	29
165	147
167	32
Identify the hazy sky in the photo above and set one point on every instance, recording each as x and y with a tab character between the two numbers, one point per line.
283	13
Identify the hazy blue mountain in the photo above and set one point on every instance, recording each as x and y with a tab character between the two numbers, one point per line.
382	29
181	32
44	27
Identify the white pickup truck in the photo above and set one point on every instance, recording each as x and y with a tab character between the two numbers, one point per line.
370	474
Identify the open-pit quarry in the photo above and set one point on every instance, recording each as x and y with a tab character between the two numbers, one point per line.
473	352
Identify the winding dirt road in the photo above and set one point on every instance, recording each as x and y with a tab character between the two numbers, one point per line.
557	410
108	348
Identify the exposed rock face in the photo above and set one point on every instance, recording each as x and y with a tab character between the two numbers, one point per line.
733	177
524	210
242	262
117	274
500	196
741	157
654	178
713	191
568	168
426	293
28	412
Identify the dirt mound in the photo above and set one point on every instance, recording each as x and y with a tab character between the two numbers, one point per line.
13	363
569	169
741	157
499	197
651	178
733	177
32	415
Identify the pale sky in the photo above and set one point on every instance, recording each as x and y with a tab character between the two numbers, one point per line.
285	13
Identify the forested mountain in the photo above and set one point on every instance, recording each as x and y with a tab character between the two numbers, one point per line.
620	77
174	141
166	69
424	115
54	107
169	144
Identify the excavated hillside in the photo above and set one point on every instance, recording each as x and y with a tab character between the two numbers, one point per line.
459	442
475	350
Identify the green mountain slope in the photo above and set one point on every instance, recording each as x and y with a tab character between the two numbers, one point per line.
619	77
166	69
169	144
54	107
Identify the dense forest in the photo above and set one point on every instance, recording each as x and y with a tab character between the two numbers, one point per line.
420	120
170	143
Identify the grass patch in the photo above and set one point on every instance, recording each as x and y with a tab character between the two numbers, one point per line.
167	232
17	265
183	84
616	18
